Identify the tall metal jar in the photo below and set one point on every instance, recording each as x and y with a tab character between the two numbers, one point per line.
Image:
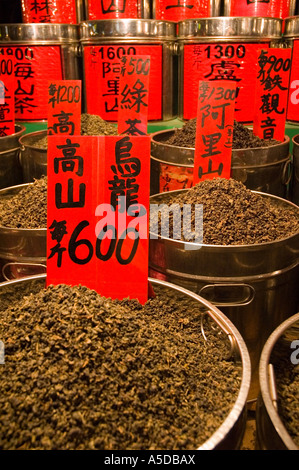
291	36
268	8
178	10
105	42
42	52
117	9
56	11
222	48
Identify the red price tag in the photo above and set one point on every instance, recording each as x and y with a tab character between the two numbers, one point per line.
107	9
64	107
133	95
98	213
263	8
214	130
54	11
271	97
7	96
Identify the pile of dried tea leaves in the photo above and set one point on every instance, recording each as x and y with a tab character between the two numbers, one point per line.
232	214
27	208
85	372
91	124
243	137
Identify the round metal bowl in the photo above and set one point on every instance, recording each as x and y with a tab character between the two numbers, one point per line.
266	169
10	168
230	433
271	431
33	160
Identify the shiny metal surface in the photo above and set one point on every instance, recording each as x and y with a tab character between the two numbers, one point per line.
226	27
295	182
128	29
249	283
38	33
271	432
265	169
10	169
21	245
33	160
229	435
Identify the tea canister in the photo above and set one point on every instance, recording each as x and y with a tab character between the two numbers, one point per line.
223	48
41	52
104	43
116	9
263	8
291	36
178	10
55	11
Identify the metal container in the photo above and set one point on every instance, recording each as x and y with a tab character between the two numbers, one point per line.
270	429
42	52
249	283
104	42
266	169
269	8
229	435
33	160
291	37
20	247
10	168
295	182
222	48
56	11
118	9
178	10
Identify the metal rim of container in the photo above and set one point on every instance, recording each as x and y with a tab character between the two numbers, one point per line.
182	243
264	382
127	29
231	28
291	27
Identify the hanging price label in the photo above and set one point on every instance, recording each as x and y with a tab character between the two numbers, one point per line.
214	130
262	8
7	96
98	200
133	95
271	96
64	107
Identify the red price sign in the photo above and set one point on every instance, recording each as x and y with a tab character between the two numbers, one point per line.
293	100
54	11
133	95
7	95
98	200
64	107
271	97
214	130
108	9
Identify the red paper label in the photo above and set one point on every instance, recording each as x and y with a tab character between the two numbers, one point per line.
213	62
263	8
7	88
272	93
34	67
174	178
133	95
293	98
64	99
98	200
102	65
178	10
109	9
214	130
53	11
